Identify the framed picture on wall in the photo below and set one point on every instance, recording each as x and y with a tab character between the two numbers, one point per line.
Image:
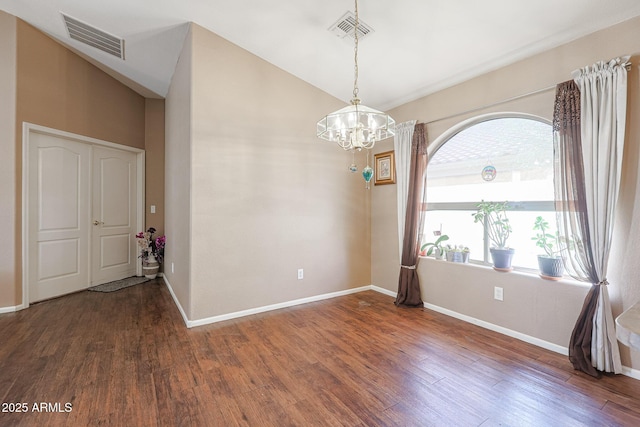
385	167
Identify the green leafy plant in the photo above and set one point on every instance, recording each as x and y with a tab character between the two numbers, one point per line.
435	245
456	248
543	238
493	216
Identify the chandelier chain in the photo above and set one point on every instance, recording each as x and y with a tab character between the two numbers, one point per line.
356	126
355	58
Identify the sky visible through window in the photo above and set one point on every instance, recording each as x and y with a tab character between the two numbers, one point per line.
521	151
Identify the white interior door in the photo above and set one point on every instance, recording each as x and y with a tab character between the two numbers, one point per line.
58	250
82	204
114	197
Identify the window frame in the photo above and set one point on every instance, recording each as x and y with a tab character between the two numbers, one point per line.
517	206
529	206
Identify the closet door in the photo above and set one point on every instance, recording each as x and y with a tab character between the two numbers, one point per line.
82	203
59	189
114	253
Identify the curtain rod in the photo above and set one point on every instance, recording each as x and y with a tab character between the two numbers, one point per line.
504	101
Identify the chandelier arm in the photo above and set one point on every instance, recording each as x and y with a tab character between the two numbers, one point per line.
369	145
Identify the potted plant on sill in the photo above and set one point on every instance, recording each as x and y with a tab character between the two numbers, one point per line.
465	254
493	216
457	253
434	248
550	264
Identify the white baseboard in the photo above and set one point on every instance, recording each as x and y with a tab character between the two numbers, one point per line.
384	291
10	309
242	313
630	372
505	331
175	300
523	337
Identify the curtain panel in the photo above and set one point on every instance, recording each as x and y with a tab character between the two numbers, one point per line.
408	282
572	216
589	127
402	147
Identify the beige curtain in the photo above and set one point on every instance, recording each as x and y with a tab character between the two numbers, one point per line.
408	282
589	128
402	147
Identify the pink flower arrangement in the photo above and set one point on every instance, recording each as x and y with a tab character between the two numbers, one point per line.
149	245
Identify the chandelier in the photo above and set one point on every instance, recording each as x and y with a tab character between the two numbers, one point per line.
356	126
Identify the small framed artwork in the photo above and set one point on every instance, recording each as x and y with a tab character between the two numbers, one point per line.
385	167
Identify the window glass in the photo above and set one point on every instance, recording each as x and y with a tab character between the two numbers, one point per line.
459	226
519	152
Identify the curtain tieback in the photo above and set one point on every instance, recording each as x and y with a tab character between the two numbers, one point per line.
603	282
409	267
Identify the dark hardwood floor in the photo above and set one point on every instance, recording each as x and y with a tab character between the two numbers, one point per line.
126	359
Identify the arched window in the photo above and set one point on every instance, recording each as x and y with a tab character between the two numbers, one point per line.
497	157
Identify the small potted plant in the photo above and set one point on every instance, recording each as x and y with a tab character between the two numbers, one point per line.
550	264
435	248
449	252
465	254
457	253
493	216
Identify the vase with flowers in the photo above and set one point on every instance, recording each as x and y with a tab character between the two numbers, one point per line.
151	252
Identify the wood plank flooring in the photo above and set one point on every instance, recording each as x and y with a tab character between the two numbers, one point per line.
126	359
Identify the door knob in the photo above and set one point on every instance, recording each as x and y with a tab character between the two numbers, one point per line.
96	222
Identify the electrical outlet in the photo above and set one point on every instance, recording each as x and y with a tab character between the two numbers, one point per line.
153	208
498	293
300	274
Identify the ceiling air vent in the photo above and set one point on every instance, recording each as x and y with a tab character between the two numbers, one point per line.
94	37
344	26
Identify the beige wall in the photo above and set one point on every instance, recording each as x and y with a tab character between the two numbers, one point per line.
52	87
532	306
58	89
178	179
267	197
154	163
8	174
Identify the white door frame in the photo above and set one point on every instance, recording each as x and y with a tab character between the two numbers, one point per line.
27	129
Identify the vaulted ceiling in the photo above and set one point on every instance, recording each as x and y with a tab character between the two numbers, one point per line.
416	46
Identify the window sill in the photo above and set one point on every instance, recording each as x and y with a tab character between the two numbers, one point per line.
566	280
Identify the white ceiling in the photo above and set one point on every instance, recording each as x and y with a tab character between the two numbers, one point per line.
418	46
